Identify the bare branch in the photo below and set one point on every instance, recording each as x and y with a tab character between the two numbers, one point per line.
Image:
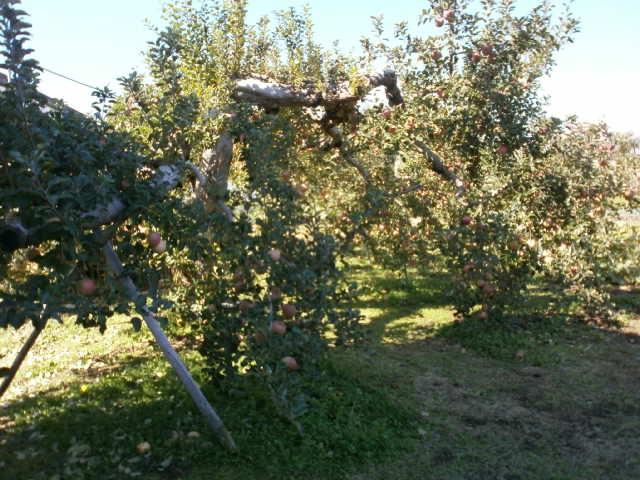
202	181
349	158
104	214
438	166
271	94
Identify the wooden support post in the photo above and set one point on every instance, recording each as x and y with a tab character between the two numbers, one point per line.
17	362
212	418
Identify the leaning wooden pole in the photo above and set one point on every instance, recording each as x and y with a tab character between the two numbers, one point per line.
17	362
212	418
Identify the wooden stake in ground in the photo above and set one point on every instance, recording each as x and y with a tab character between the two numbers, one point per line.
212	418
10	374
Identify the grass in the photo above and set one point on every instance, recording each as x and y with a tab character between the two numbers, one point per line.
426	397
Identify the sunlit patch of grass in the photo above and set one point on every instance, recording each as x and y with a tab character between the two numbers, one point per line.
418	325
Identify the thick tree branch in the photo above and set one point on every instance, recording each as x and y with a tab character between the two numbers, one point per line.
202	180
14	235
268	93
438	166
389	80
217	164
271	94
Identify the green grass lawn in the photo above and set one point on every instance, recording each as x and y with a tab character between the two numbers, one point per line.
424	397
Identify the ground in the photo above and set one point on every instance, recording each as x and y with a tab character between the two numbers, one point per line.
425	397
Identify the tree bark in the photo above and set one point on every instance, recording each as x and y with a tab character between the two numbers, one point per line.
272	94
438	166
217	165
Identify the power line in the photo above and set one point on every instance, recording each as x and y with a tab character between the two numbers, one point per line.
70	79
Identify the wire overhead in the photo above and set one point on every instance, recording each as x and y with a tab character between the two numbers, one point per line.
70	79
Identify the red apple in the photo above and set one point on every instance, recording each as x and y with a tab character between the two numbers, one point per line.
488	289
448	15
436	55
275	293
288	310
475	56
275	254
486	49
386	114
259	338
160	247
466	220
246	305
503	149
439	21
87	286
278	327
143	447
291	363
154	239
301	189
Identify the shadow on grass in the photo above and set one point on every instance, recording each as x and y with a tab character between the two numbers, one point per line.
91	431
404	315
627	299
545	398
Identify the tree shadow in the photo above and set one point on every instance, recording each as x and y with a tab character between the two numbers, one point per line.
536	397
92	427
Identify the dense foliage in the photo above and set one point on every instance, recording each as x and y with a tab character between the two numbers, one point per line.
236	271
